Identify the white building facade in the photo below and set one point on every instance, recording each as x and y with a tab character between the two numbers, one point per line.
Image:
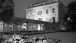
43	12
52	11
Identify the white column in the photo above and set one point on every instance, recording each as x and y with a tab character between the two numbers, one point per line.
1	26
51	14
56	17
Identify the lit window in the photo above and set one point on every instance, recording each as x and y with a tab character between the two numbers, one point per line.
53	10
46	11
38	26
24	26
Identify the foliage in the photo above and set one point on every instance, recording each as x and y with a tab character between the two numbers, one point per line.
71	15
18	39
7	10
2	39
72	6
6	15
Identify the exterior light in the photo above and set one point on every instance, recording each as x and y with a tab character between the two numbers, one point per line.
69	18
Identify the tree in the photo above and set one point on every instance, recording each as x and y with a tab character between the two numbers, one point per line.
71	15
6	10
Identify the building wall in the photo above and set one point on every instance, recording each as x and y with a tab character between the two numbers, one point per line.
61	13
43	13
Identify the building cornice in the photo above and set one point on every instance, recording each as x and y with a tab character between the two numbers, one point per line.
40	4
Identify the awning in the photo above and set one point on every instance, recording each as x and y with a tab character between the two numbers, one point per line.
33	21
24	20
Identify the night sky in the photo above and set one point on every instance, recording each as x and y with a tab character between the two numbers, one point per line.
20	5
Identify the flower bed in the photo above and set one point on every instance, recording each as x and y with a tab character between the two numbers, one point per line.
26	39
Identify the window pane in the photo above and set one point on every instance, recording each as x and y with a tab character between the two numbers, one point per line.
53	10
46	11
